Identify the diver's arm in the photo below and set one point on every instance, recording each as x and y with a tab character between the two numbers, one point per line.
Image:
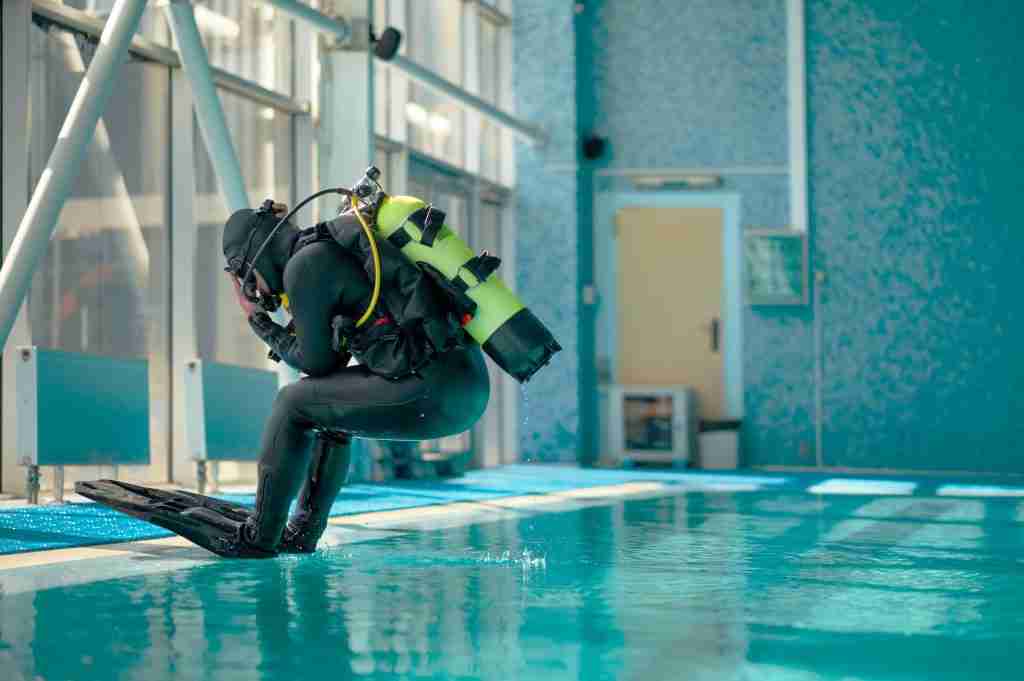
282	343
314	283
306	350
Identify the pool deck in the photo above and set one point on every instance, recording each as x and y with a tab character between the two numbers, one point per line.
39	545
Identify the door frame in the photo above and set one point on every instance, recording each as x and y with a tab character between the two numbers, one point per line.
607	206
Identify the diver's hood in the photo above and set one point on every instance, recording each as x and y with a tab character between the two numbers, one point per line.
244	234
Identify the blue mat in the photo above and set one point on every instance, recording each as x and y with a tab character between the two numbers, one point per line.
83	524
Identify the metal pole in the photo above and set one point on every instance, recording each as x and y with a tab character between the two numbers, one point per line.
212	124
428	78
201	476
58	484
32	483
318	20
343	31
55	183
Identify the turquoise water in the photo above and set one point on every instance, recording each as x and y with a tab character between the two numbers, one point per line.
750	585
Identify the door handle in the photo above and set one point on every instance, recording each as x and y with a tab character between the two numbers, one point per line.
715	332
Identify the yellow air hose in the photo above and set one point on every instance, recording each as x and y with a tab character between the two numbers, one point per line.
376	263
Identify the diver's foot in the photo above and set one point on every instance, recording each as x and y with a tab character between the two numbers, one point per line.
299	538
236	543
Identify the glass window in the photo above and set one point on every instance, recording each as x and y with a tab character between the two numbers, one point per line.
152	26
435	40
250	39
436	124
102	287
490	91
263	142
382	98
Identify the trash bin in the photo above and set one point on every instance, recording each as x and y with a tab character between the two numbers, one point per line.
718	444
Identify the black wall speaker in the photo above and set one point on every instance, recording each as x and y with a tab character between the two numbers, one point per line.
593	147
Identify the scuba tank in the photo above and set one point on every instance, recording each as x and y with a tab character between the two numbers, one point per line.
490	313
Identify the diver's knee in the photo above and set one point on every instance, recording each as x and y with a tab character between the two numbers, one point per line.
292	397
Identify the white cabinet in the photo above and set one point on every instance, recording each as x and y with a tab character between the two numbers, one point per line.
649	424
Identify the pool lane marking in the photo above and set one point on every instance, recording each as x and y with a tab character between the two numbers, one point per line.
979	491
372	520
821	600
863	486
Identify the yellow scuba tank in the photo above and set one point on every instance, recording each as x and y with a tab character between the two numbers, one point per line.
492	315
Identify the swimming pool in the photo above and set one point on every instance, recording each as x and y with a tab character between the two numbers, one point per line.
776	584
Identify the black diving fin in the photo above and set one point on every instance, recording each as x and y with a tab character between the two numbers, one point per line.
213	524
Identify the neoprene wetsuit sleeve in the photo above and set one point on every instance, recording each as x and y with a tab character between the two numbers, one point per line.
320	282
282	343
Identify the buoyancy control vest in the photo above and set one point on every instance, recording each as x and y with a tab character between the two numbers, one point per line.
434	291
412	321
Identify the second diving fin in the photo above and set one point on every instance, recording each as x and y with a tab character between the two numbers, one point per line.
213	524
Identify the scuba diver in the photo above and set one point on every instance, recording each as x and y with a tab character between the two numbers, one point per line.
387	283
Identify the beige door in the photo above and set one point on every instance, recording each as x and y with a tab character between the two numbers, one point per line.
670	295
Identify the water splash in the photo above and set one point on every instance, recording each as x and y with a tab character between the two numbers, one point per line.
528	560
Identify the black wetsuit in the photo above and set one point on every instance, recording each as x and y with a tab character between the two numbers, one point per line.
420	377
335	401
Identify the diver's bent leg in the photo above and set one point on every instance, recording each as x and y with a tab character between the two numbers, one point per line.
283	464
327	474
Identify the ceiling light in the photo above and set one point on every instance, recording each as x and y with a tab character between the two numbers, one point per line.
440	124
216	24
677	181
416	114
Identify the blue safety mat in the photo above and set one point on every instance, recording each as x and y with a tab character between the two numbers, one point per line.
83	524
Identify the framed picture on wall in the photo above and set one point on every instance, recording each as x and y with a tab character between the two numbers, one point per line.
775	267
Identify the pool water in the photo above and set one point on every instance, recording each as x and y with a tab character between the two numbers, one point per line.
701	585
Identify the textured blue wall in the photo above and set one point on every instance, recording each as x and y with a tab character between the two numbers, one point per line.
915	147
546	249
915	138
702	84
684	83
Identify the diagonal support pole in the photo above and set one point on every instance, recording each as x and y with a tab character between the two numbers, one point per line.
212	123
62	168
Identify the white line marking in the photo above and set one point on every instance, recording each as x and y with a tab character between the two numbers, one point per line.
859	486
979	491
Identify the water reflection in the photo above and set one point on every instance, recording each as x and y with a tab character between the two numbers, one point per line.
697	586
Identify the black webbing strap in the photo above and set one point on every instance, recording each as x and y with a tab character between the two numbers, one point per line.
318	232
428	219
482	266
400	237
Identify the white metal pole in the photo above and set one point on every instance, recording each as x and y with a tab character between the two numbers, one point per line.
796	62
212	123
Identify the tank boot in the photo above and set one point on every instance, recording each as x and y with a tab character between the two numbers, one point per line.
278	485
328	472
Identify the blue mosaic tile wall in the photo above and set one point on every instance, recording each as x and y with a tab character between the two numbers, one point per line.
915	147
545	74
914	138
684	83
702	84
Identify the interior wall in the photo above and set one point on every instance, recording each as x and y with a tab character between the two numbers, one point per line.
546	222
915	143
913	130
702	85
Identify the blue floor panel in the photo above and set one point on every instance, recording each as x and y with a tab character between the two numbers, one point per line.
83	524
